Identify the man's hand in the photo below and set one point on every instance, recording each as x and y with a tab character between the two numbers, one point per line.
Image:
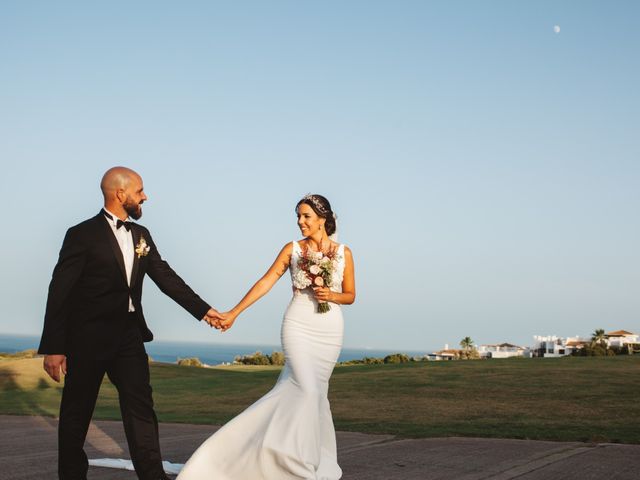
213	318
53	364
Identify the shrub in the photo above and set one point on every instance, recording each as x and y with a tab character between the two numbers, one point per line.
363	361
190	362
372	360
31	353
397	358
595	350
277	358
257	358
472	354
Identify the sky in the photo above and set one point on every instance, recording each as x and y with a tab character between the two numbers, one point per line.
484	167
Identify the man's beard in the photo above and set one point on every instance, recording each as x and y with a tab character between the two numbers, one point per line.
134	210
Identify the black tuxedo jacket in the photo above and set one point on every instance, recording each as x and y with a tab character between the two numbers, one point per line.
88	303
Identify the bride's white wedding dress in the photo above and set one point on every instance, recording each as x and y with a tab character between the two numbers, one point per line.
288	433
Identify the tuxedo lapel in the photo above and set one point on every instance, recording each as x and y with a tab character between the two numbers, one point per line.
136	259
114	246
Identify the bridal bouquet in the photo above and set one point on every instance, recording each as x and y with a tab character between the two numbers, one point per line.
316	269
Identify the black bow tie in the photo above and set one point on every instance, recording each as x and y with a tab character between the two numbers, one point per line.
119	223
126	225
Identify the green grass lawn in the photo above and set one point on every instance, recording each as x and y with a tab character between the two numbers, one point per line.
584	399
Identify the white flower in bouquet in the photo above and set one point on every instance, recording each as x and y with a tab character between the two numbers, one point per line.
301	280
318	269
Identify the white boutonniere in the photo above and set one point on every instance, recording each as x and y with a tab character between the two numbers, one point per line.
142	249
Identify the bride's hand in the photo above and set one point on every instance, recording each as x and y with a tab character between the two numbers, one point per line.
227	320
322	294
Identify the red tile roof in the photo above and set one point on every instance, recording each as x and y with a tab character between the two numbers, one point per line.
619	333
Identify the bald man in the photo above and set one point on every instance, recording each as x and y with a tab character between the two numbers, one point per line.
94	324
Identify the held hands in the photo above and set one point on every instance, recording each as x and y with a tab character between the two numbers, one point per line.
220	321
228	318
213	318
53	364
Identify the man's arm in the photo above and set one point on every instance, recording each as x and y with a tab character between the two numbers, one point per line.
172	285
66	273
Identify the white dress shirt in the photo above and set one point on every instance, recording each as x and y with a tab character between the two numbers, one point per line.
125	241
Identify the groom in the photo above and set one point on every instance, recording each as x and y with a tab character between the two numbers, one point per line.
94	324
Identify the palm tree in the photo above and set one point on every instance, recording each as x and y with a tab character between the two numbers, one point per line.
598	337
466	343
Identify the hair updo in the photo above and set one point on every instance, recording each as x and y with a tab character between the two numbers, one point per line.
322	207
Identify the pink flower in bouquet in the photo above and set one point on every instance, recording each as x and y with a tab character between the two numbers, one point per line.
318	269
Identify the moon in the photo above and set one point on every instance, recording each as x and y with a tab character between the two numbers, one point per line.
556	28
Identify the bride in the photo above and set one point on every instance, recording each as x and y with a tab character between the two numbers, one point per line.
289	433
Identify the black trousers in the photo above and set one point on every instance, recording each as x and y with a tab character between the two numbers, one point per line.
128	370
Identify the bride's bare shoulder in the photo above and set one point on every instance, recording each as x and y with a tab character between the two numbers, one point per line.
287	250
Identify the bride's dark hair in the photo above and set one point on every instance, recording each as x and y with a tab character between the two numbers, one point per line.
322	207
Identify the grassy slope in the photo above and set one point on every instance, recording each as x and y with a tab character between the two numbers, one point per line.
587	399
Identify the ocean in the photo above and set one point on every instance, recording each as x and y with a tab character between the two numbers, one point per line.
209	353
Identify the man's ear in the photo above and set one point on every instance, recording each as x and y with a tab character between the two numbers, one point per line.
120	195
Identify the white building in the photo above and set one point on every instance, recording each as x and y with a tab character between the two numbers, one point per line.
620	338
446	354
553	346
503	350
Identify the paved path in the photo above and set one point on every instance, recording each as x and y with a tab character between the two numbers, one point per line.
28	452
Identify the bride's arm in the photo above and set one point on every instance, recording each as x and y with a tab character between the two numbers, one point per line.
261	287
348	295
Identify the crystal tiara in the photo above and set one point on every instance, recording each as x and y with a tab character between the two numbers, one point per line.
316	203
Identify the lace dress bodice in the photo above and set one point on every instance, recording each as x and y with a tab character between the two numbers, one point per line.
299	277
